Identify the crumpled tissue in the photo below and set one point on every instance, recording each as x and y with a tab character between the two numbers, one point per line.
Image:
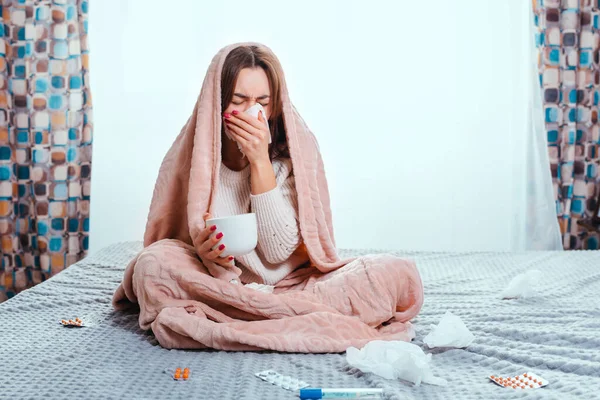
260	287
394	360
450	332
523	285
254	110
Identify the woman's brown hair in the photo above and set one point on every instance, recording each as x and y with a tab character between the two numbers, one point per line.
254	57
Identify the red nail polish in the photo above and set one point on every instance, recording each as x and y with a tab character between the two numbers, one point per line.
213	228
220	235
221	247
227	121
226	115
230	258
235	112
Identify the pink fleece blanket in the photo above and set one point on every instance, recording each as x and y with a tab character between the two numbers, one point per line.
326	306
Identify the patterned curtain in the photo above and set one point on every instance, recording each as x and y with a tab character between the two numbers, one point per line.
568	39
45	140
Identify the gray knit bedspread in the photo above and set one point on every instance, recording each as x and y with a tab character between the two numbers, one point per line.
555	334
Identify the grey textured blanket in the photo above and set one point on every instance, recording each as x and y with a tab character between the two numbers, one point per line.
556	335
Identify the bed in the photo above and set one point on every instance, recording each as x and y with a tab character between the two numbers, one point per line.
555	334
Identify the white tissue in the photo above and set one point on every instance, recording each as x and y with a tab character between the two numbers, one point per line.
450	332
394	360
523	285
260	287
254	110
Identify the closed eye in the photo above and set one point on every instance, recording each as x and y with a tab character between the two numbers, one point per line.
240	103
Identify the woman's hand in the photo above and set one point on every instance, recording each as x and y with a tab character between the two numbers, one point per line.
253	137
251	134
219	267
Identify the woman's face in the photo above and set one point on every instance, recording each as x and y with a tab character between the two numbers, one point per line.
252	87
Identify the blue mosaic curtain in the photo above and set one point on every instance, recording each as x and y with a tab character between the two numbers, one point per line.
45	140
568	39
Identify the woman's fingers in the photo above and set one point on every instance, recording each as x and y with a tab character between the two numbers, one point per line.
246	140
225	273
206	232
239	132
245	121
216	253
225	262
214	256
209	243
243	143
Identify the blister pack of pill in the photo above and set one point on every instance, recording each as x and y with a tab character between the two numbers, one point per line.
527	380
77	322
283	381
81	321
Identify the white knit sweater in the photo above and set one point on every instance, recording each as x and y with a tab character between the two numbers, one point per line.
277	217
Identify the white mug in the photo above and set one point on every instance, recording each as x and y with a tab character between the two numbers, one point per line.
240	233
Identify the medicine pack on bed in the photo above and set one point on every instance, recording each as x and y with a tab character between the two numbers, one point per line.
527	380
74	323
178	374
283	381
81	322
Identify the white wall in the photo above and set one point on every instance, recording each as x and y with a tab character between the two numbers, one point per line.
425	163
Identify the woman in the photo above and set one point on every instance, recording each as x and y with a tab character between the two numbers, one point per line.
223	164
254	175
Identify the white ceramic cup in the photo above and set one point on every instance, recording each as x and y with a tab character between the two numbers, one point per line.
240	234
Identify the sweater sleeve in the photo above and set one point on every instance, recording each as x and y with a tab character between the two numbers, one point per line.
277	216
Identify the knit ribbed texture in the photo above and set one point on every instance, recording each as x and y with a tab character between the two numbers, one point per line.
276	214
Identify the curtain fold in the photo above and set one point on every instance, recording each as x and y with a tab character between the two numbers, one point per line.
535	226
567	37
45	140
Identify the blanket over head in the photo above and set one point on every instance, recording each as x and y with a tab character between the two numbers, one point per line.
324	307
